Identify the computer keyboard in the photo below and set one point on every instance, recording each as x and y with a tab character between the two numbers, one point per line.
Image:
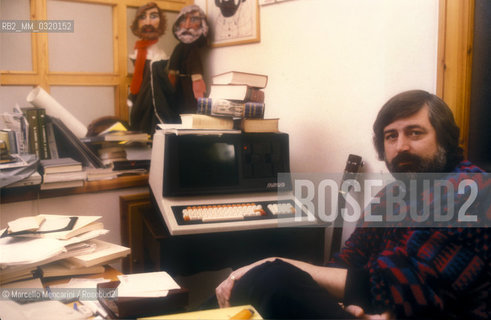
211	213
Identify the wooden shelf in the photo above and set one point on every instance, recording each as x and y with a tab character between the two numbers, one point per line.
33	192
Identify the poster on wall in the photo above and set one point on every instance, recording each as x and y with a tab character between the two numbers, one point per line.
233	22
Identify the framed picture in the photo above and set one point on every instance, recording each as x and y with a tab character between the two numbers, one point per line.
233	22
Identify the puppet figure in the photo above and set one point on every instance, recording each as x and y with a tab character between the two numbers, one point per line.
151	93
185	68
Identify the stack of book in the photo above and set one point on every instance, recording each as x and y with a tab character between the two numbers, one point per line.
37	139
55	245
240	96
116	145
62	173
111	152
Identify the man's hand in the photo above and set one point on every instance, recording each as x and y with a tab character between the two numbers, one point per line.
358	312
224	289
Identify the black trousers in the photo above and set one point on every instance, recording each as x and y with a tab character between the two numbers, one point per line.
279	290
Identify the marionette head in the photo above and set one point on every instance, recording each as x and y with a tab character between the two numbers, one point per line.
190	24
149	22
228	7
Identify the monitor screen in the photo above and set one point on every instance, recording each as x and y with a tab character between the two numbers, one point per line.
207	164
224	163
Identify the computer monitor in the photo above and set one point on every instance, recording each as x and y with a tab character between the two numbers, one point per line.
225	163
219	168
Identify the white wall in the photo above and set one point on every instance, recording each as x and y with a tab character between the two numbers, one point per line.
331	65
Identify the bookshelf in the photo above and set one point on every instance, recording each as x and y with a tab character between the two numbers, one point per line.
33	192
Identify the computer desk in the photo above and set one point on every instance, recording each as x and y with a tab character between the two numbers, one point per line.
153	248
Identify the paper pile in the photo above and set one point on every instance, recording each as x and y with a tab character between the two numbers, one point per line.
31	245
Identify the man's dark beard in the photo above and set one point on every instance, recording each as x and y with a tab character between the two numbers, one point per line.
407	165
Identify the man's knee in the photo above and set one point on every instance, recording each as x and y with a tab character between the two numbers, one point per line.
269	280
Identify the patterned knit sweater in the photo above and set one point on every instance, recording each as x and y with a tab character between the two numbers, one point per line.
423	272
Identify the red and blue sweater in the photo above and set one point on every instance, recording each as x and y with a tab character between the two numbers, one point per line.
422	272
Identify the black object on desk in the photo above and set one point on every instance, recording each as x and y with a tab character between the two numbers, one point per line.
133	307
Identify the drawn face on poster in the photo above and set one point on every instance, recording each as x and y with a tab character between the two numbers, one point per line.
233	21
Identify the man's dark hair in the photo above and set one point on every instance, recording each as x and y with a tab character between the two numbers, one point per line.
406	104
163	20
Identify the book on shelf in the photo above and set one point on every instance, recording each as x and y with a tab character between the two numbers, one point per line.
9	137
227	108
69	145
118	136
50	136
260	125
62	184
95	174
16	161
181	132
240	77
59	165
33	135
132	166
43	139
38	143
32	180
238	92
15	122
104	252
203	121
111	152
64	176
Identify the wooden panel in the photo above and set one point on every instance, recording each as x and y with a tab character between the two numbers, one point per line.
82	79
132	230
41	75
32	193
455	60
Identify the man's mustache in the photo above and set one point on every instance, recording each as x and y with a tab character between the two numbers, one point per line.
405	162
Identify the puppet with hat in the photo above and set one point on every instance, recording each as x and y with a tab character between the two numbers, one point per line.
185	67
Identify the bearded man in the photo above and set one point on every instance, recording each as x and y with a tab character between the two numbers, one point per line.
185	67
151	94
417	271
